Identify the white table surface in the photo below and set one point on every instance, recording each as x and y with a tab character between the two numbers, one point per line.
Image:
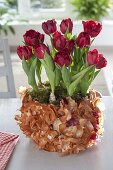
27	157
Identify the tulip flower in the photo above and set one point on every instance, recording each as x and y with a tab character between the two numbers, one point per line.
92	57
70	45
102	62
62	58
40	51
24	51
32	37
66	25
83	40
59	41
91	27
49	27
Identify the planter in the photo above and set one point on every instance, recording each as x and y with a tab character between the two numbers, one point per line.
67	128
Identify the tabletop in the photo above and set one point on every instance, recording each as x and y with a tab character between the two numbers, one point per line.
26	156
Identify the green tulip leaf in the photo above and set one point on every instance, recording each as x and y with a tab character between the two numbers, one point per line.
53	52
38	70
86	81
96	73
77	79
25	66
49	61
81	73
69	36
73	86
31	75
57	76
74	37
50	75
66	76
31	60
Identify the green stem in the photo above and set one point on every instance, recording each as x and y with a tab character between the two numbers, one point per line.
92	41
51	39
35	88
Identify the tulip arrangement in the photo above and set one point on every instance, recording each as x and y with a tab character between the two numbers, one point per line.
61	115
69	63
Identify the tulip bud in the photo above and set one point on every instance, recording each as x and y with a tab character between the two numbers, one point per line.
92	57
65	25
49	27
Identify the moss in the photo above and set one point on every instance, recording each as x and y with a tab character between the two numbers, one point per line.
77	97
44	91
60	93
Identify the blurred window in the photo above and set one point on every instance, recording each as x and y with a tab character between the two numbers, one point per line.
33	8
52	4
35	4
9	4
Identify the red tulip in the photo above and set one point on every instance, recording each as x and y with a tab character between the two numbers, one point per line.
102	62
92	57
40	51
65	25
62	58
70	45
83	40
93	28
24	51
59	41
32	37
49	27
